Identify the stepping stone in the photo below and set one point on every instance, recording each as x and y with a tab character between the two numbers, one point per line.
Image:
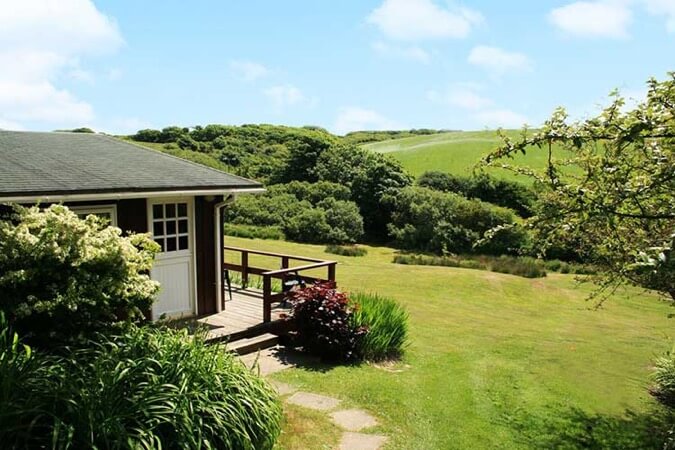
283	388
276	359
313	401
353	419
360	441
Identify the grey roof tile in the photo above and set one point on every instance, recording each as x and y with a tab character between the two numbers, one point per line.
35	163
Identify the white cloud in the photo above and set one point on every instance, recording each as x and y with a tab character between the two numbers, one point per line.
462	95
415	20
608	18
358	119
248	70
412	53
505	118
663	8
10	125
39	41
287	95
41	101
498	61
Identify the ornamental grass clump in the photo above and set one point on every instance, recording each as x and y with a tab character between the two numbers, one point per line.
346	250
387	325
323	319
145	389
663	389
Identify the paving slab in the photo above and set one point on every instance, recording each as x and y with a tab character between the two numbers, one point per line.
283	388
353	419
360	441
314	401
276	359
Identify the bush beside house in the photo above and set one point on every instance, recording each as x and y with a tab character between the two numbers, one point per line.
75	289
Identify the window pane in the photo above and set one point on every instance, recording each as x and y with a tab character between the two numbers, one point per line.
157	211
158	228
183	226
161	243
171	244
171	227
183	243
170	210
182	210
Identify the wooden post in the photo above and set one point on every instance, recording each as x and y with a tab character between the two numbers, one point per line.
284	262
267	293
244	269
331	272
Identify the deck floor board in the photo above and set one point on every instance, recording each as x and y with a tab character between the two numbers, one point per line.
244	312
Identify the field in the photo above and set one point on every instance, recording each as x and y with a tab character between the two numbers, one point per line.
456	152
496	361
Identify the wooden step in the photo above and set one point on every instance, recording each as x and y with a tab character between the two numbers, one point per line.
253	344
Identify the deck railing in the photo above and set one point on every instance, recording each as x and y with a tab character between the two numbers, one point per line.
284	273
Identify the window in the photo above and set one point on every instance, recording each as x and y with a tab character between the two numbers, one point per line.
170	227
108	212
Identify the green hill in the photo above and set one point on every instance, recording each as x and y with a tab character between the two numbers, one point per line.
456	152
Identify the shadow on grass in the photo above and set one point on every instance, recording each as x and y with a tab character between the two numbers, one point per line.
296	358
573	428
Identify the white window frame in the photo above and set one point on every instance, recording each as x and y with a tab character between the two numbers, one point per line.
96	210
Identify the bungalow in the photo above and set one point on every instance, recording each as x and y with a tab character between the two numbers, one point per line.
140	190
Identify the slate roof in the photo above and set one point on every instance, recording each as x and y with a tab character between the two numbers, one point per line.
42	163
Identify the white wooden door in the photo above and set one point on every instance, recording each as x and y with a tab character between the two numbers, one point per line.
171	224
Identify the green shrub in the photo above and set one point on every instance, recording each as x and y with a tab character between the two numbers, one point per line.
253	232
438	222
387	325
344	220
427	260
63	278
554	265
309	226
346	250
523	266
663	389
323	318
471	264
148	388
565	268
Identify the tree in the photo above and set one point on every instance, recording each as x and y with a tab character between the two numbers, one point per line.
609	187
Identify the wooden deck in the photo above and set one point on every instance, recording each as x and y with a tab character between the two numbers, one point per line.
242	317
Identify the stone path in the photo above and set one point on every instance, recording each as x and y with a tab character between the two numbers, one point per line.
352	421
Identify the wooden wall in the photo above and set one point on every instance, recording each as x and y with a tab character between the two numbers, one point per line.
204	255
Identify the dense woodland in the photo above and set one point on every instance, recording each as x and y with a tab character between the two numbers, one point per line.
326	189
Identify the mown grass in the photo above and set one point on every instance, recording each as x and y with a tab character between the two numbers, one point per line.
455	152
497	361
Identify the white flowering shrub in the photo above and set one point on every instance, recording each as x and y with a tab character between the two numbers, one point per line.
62	278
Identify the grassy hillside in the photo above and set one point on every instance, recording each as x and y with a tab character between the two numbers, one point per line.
496	361
456	152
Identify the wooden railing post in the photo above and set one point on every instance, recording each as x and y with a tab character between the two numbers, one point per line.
331	272
267	294
284	262
244	269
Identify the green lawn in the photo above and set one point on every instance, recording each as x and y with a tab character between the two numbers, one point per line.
496	361
455	152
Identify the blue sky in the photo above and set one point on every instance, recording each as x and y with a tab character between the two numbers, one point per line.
121	65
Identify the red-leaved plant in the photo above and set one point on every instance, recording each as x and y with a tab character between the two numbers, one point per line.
322	318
